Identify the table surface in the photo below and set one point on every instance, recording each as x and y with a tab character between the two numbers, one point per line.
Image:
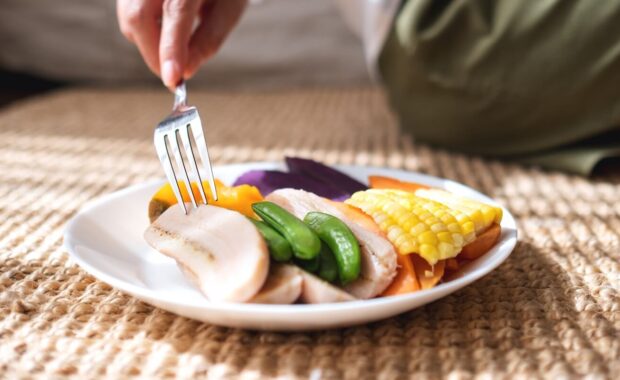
551	310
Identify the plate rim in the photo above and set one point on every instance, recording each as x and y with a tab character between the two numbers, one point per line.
141	292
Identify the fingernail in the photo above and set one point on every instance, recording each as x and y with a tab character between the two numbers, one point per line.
170	73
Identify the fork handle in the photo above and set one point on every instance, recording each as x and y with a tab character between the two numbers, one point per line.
180	97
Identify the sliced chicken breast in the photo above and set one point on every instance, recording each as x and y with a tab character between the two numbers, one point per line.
207	246
315	290
283	285
378	254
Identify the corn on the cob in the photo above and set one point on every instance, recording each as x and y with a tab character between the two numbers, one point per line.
413	224
482	214
460	224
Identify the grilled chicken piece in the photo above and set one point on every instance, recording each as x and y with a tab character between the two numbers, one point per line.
283	285
378	254
206	245
315	290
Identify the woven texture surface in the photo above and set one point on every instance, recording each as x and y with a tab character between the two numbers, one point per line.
551	310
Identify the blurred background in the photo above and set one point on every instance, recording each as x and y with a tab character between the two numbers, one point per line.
277	44
460	78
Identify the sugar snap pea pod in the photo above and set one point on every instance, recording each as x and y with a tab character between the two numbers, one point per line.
328	269
279	248
340	240
311	265
305	243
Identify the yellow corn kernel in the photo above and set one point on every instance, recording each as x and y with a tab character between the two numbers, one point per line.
413	224
482	214
457	222
401	238
429	238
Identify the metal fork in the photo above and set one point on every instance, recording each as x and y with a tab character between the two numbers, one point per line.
183	119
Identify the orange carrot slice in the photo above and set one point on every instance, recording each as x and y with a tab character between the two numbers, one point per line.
483	243
452	265
428	276
381	182
359	216
406	280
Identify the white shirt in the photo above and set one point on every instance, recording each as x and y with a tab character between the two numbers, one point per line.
371	21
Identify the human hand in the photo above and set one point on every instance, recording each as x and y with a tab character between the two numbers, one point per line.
175	36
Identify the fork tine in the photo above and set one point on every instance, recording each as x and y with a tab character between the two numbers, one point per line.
189	152
166	163
201	143
176	149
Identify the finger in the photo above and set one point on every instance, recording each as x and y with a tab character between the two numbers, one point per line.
123	10
177	24
139	22
218	18
147	41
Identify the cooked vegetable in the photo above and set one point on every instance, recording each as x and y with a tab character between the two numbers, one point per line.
324	173
381	182
452	265
378	266
305	243
362	219
406	280
482	214
279	248
464	209
328	269
340	240
413	224
428	275
237	198
461	226
395	238
268	181
311	265
483	243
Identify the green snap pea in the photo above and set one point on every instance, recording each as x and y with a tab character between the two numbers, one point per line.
328	269
324	265
311	265
305	243
279	248
340	240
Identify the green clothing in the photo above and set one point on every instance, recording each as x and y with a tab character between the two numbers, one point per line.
530	80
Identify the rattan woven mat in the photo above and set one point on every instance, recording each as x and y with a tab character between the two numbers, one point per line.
551	310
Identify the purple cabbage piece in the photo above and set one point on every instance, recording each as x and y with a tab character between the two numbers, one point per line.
324	173
269	180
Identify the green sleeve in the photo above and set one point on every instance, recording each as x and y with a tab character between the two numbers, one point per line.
517	79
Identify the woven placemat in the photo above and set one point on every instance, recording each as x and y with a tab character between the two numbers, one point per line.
551	310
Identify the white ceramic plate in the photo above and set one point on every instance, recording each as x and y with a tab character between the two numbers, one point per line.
105	238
